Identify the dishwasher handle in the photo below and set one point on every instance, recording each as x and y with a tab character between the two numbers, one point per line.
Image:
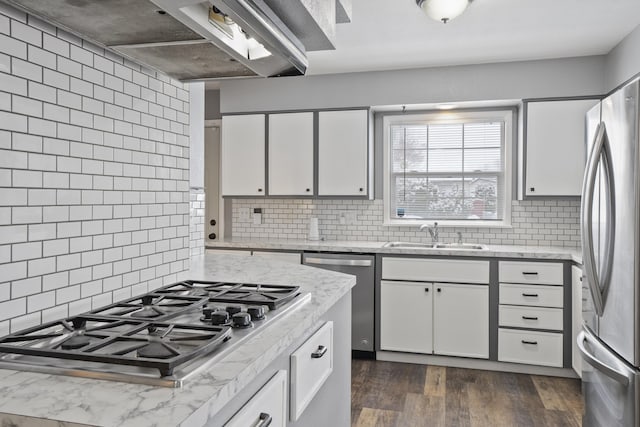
338	261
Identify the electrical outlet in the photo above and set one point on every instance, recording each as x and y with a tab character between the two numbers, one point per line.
257	216
347	217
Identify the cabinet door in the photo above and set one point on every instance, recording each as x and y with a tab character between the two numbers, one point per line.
291	154
243	155
576	324
343	154
555	147
268	403
461	320
406	316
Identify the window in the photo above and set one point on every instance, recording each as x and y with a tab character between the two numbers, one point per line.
454	168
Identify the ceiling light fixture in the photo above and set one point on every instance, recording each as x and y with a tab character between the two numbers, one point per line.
443	10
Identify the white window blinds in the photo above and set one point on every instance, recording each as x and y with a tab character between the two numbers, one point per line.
452	171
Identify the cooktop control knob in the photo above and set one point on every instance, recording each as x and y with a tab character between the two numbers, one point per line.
233	309
219	317
241	320
256	312
206	313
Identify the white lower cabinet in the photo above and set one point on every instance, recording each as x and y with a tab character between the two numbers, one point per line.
268	407
461	320
311	365
406	316
530	347
440	318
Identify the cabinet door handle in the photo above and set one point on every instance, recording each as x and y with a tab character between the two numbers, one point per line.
361	189
530	342
259	190
319	352
307	190
530	317
426	289
439	289
264	420
529	295
530	273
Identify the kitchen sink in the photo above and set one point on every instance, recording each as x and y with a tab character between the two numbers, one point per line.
412	245
474	246
408	245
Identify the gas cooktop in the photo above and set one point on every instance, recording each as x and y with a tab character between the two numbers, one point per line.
159	338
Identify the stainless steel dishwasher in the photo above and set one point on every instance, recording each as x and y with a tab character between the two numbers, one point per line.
362	295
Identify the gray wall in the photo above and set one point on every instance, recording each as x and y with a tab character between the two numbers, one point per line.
212	104
623	62
512	80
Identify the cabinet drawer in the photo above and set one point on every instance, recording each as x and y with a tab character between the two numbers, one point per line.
549	273
435	270
531	347
268	403
311	365
531	317
537	296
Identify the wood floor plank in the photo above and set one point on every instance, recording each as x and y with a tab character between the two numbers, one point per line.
387	394
457	397
376	418
421	410
436	381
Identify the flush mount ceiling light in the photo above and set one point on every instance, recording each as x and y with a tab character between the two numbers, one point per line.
443	10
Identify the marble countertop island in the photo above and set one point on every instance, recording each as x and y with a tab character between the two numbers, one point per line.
43	400
495	251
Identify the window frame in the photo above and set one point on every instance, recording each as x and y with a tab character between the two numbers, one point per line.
503	114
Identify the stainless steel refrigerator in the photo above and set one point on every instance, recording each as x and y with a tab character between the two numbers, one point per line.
610	228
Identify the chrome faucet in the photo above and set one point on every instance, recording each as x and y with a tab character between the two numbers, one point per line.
433	231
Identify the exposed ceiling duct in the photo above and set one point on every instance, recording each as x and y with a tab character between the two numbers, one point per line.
195	39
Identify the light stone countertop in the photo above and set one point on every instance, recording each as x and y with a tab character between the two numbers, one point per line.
491	251
63	401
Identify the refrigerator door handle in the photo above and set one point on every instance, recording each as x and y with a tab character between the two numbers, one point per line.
610	371
597	284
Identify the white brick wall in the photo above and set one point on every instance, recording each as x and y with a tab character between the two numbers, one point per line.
94	175
196	226
534	223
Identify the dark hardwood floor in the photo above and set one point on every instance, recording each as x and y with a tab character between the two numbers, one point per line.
388	394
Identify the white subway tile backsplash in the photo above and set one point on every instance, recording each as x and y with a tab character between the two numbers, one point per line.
13	122
26	69
539	222
13	47
79	155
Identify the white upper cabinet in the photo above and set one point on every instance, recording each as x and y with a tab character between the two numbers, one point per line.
343	153
555	147
291	154
243	155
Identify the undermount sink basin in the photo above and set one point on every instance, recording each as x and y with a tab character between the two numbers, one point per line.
459	246
408	245
411	245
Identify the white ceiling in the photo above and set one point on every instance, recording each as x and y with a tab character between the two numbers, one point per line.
395	34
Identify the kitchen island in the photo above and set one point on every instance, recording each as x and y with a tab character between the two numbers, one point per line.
211	395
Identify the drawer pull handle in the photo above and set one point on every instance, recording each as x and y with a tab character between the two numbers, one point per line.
319	352
426	289
529	295
530	317
265	420
530	273
530	342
